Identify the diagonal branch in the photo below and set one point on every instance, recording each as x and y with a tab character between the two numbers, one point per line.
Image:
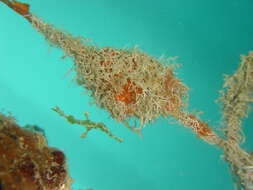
20	8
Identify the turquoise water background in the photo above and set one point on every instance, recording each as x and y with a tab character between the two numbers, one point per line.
208	36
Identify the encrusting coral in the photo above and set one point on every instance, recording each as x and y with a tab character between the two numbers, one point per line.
27	162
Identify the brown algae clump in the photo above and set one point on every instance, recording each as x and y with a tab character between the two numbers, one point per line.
125	82
128	83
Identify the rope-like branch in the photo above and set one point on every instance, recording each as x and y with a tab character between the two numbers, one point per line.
18	7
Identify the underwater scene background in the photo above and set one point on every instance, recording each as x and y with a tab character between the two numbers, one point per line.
207	36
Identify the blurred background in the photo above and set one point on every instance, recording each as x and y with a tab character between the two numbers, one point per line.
207	36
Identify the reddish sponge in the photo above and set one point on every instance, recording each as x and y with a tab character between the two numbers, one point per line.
26	161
